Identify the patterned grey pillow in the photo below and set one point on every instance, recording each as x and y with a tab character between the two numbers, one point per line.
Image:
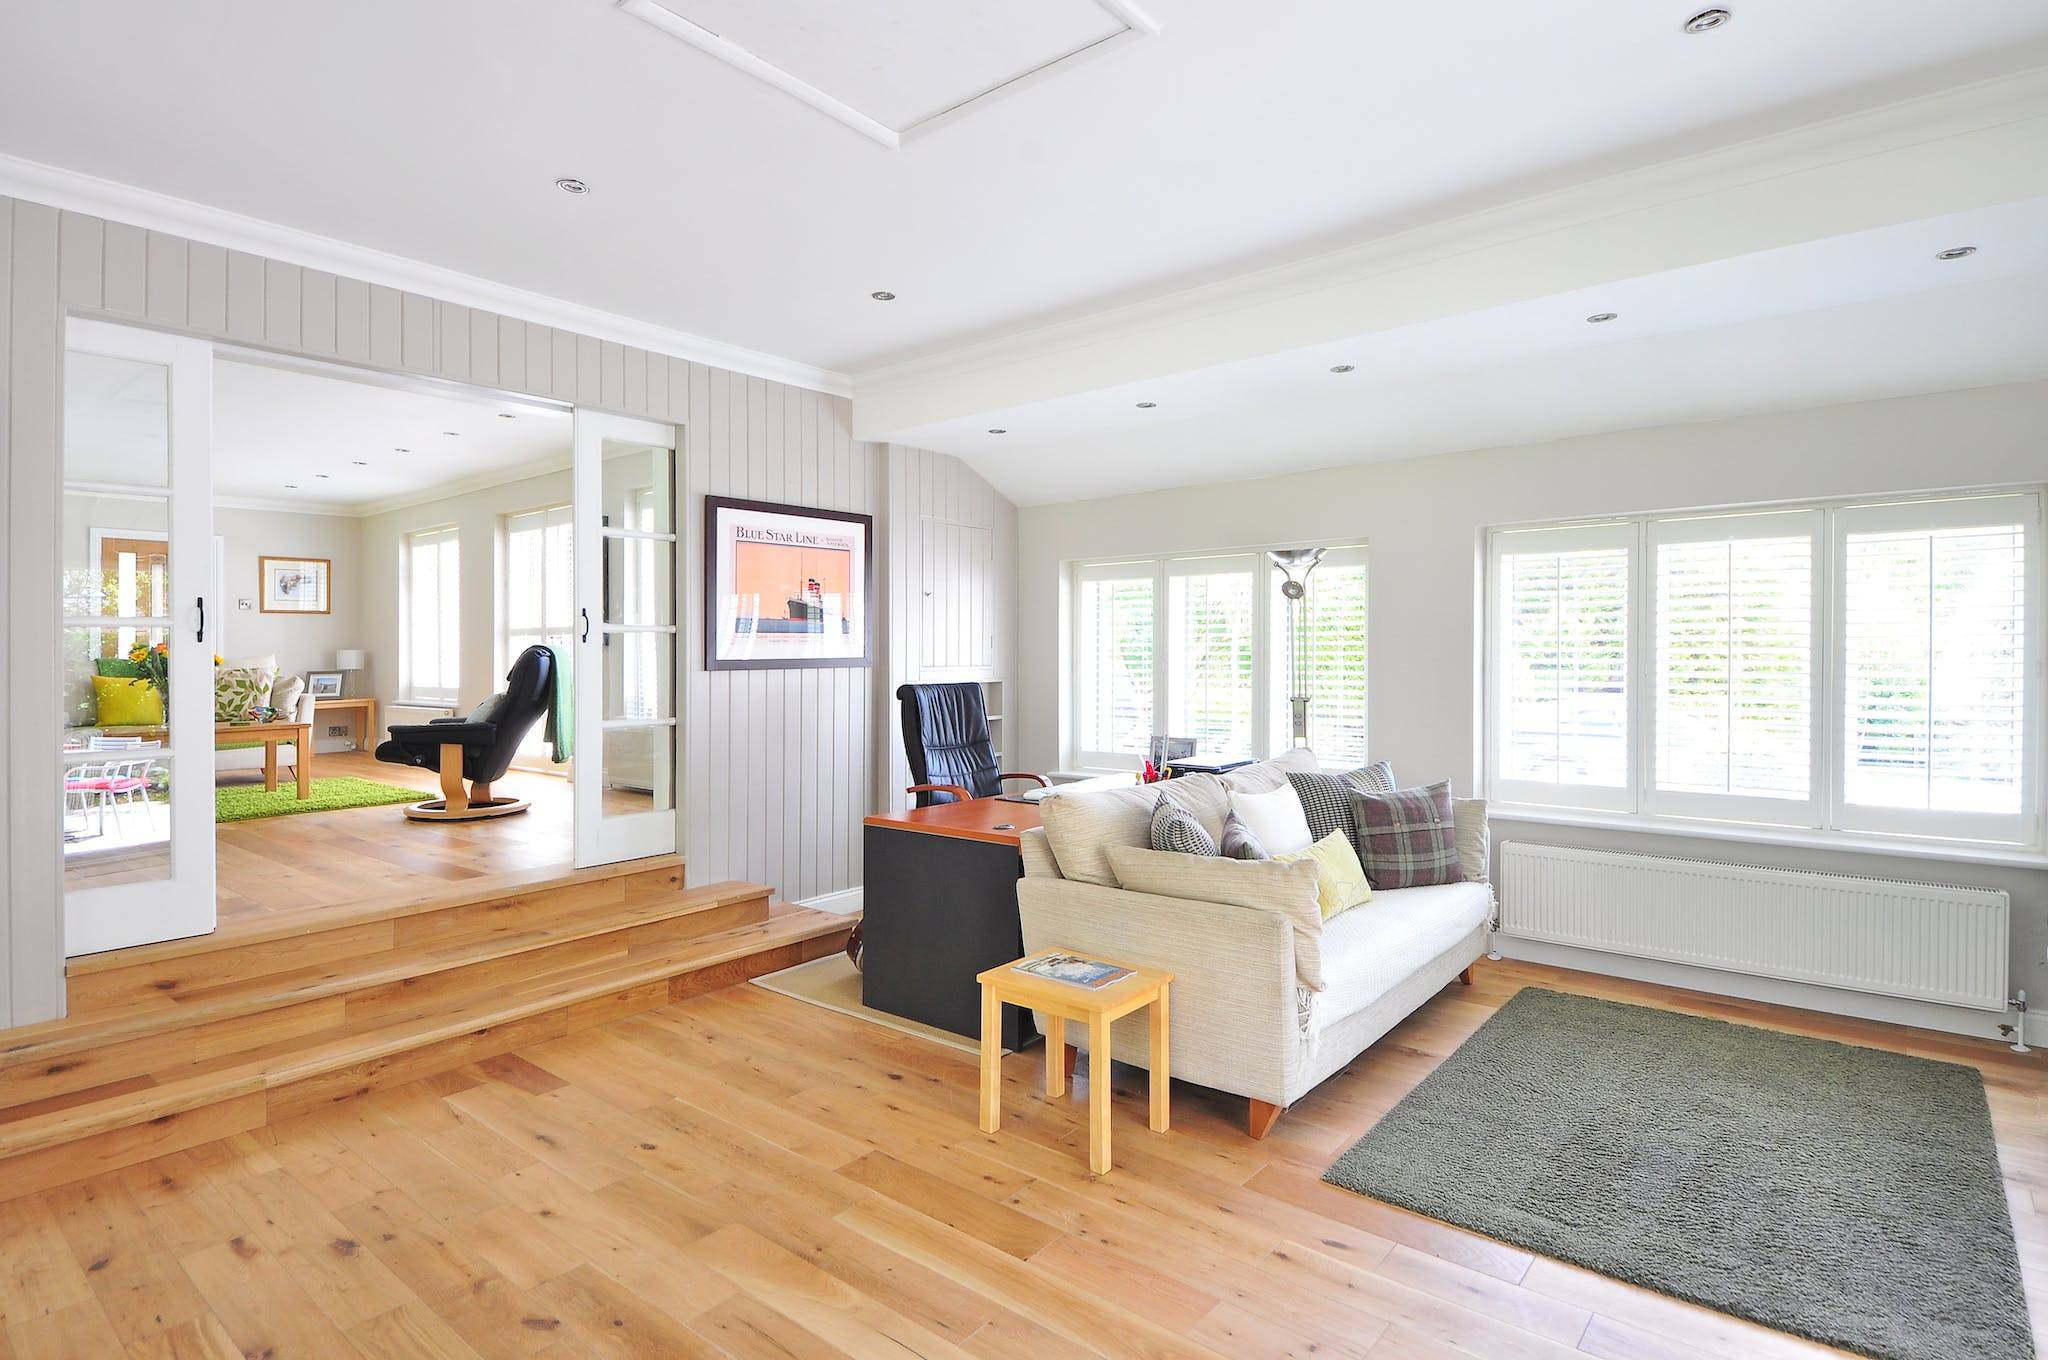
1409	837
1238	841
1175	828
1326	798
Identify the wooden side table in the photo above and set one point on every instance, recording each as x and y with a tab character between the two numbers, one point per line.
1098	1010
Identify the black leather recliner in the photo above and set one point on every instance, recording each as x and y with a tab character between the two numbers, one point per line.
478	748
946	737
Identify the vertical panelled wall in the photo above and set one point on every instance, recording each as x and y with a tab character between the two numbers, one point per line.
777	767
951	549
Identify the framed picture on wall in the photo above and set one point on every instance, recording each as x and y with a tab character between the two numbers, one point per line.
785	586
295	585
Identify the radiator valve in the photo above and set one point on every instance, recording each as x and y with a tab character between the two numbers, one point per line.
2018	1030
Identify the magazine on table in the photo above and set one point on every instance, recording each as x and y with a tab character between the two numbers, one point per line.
1074	970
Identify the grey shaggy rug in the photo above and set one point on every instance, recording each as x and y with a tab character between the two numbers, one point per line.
1844	1194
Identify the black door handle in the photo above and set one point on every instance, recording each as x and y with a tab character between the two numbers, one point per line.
202	620
586	625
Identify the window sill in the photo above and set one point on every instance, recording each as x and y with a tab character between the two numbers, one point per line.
2009	857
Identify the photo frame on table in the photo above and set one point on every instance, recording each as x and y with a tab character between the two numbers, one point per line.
786	586
323	684
295	585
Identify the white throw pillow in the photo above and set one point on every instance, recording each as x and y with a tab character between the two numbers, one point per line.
1276	818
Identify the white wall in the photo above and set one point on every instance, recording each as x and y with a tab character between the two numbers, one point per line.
1424	520
301	642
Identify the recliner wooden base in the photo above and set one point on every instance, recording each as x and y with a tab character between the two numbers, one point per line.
459	802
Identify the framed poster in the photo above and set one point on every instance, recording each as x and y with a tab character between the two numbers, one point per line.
785	586
294	585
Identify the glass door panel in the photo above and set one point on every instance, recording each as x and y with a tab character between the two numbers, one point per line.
627	639
136	525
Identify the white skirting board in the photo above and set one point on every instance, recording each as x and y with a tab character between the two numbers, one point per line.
845	902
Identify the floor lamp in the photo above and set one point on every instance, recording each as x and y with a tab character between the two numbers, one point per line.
1295	565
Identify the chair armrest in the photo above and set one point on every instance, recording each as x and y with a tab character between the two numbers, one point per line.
432	722
1037	779
447	732
1233	997
959	793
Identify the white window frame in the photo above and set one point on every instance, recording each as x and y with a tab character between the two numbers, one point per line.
425	696
1269	733
1714	528
1580	537
1827	816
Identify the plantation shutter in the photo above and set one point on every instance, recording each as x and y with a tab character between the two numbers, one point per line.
1115	621
1209	654
1734	647
1561	704
1940	666
434	619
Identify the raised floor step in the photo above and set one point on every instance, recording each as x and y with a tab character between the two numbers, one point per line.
181	1103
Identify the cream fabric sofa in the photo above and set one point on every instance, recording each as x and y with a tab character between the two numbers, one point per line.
294	702
1262	1006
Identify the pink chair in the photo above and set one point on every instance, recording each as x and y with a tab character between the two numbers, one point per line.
120	784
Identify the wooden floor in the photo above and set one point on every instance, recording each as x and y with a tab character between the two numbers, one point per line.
741	1174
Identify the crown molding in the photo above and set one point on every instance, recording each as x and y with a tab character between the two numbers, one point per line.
282	507
1944	152
75	191
446	491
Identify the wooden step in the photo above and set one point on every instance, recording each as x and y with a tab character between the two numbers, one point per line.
197	1102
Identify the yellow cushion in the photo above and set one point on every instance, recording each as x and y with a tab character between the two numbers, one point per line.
125	702
1340	878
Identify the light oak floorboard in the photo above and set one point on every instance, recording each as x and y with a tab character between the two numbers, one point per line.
740	1175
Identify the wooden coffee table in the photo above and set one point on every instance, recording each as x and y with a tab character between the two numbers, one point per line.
1098	1010
273	734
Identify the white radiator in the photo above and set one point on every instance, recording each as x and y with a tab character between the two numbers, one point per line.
1912	940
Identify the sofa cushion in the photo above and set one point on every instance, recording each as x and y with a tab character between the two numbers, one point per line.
237	689
127	703
1408	839
1259	884
1340	878
1080	826
1326	797
1275	817
1367	952
1469	815
1176	829
285	692
1266	775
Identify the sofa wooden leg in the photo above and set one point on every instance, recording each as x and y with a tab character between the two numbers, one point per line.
1073	1057
1261	1118
1466	976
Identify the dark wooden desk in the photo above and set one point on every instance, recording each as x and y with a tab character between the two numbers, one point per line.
939	906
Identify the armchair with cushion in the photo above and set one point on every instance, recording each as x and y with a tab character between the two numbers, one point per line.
946	739
478	748
1268	997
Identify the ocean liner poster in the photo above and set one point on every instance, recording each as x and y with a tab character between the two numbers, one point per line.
784	585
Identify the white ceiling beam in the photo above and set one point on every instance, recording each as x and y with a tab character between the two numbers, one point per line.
1974	146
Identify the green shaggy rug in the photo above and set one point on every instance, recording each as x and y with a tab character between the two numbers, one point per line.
245	802
1843	1194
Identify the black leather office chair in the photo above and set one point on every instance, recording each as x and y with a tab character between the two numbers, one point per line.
946	737
478	748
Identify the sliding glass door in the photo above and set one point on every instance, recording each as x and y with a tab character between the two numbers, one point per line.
137	638
626	641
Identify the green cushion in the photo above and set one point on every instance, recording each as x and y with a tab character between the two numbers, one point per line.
118	666
237	689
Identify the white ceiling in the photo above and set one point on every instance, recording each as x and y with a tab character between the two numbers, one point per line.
1868	315
312	440
1239	136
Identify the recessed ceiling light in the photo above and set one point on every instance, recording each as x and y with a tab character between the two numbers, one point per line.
453	434
882	295
1957	253
1341	368
291	486
321	475
401	450
508	415
1707	20
1598	317
360	463
1147	405
572	186
998	431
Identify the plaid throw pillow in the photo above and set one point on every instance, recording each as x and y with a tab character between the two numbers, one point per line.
1326	798
1175	828
1408	838
1238	841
